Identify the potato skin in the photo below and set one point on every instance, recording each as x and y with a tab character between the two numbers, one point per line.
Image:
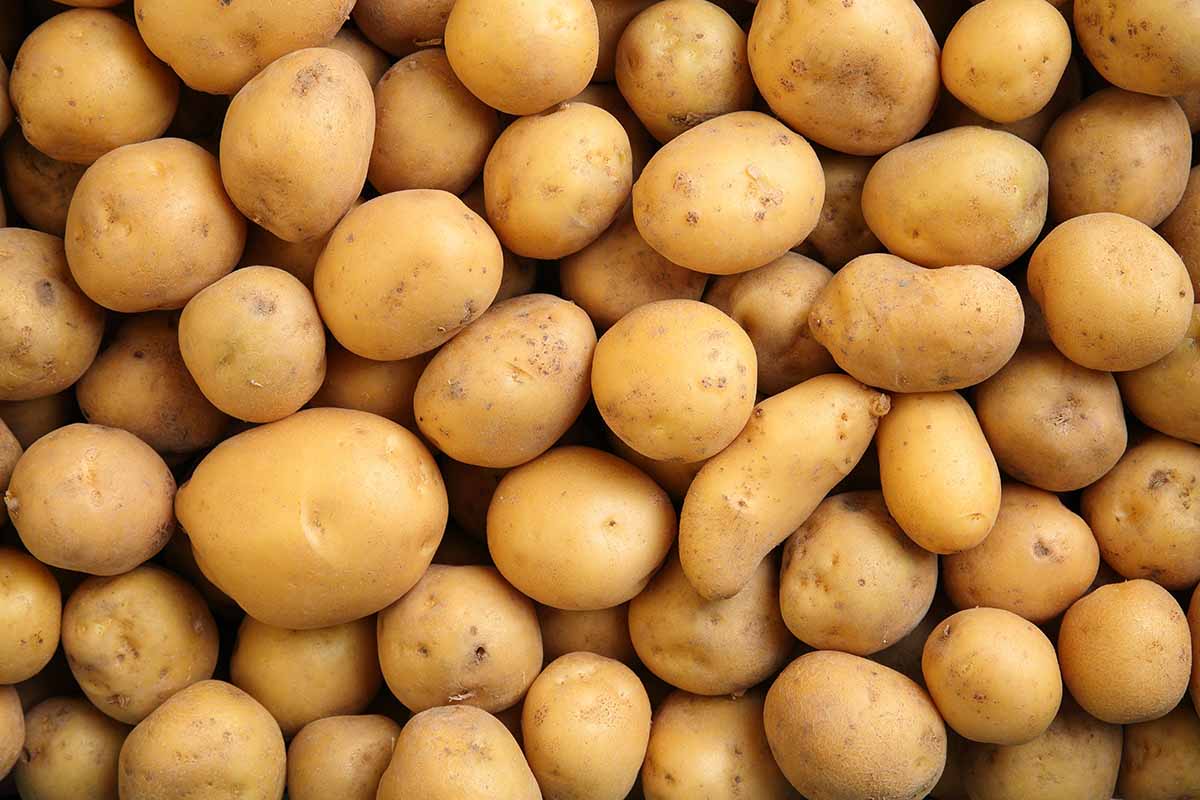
606	95
10	454
402	26
612	18
604	632
841	234
1145	48
39	187
1166	394
385	388
72	751
1159	758
30	420
315	528
30	616
373	60
1193	618
340	757
1181	228
12	732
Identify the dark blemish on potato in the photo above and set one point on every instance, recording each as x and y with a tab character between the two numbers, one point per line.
1158	478
45	292
307	78
1041	550
262	305
422	650
692	218
225	2
481	653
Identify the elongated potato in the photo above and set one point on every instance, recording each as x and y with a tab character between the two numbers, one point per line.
1166	394
746	500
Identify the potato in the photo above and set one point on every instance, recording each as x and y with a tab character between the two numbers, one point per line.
354	519
842	234
537	387
374	61
1076	758
381	387
1189	101
993	675
606	95
12	729
673	476
1141	512
730	194
30	420
1181	228
612	18
1115	295
39	187
50	331
523	57
461	635
581	705
430	132
459	753
179	557
859	78
134	640
1125	652
1051	422
963	196
405	272
30	612
1166	394
675	380
903	328
341	757
221	47
711	747
254	343
604	631
71	751
210	735
827	704
745	500
850	561
1141	47
10	453
310	106
1159	760
402	26
710	647
621	527
91	499
84	83
140	383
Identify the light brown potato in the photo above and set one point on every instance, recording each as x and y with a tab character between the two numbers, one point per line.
355	520
39	187
604	631
310	106
84	83
622	526
223	46
842	234
1181	228
523	57
1038	559
1159	760
342	757
675	380
10	453
91	499
30	420
744	501
1143	48
405	272
1166	394
430	131
211	732
71	750
851	580
30	612
1114	294
497	395
883	718
402	26
1119	152
134	640
381	387
867	83
374	61
730	194
581	705
673	476
606	95
1126	652
12	729
612	18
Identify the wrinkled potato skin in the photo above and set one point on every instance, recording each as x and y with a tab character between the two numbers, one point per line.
1166	394
12	728
374	61
1159	761
604	632
385	388
72	752
842	234
402	26
39	187
30	420
30	616
1181	228
1142	47
341	757
612	18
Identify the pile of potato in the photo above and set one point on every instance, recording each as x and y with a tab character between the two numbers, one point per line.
592	399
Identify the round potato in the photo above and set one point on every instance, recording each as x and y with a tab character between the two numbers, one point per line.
604	631
341	757
385	388
1126	652
402	26
30	420
312	106
1159	760
12	729
71	750
10	453
842	234
1146	48
1114	294
1181	228
39	187
730	194
30	613
622	525
1166	394
374	61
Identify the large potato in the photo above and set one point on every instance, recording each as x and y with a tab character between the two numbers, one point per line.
1166	394
72	751
1181	228
385	388
402	26
1142	47
730	194
1159	760
604	631
346	504
30	616
39	187
842	234
342	757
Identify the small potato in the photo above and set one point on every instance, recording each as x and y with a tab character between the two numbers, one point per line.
674	476
1119	152
405	272
841	234
30	613
1038	559
92	499
12	729
522	57
710	647
730	194
135	640
622	526
963	196
385	388
606	95
1115	295
993	675
39	187
342	757
1142	513
402	26
430	132
1166	394
498	395
311	106
1142	47
1181	228
612	18
210	733
604	632
30	420
903	328
71	751
84	83
374	61
886	721
675	380
1126	652
1159	760
850	561
459	753
580	706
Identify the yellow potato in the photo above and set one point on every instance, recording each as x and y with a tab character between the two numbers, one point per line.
39	187
30	420
402	26
1159	760
1166	394
1181	228
374	61
342	757
604	631
842	234
72	752
1142	47
385	388
12	729
30	615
